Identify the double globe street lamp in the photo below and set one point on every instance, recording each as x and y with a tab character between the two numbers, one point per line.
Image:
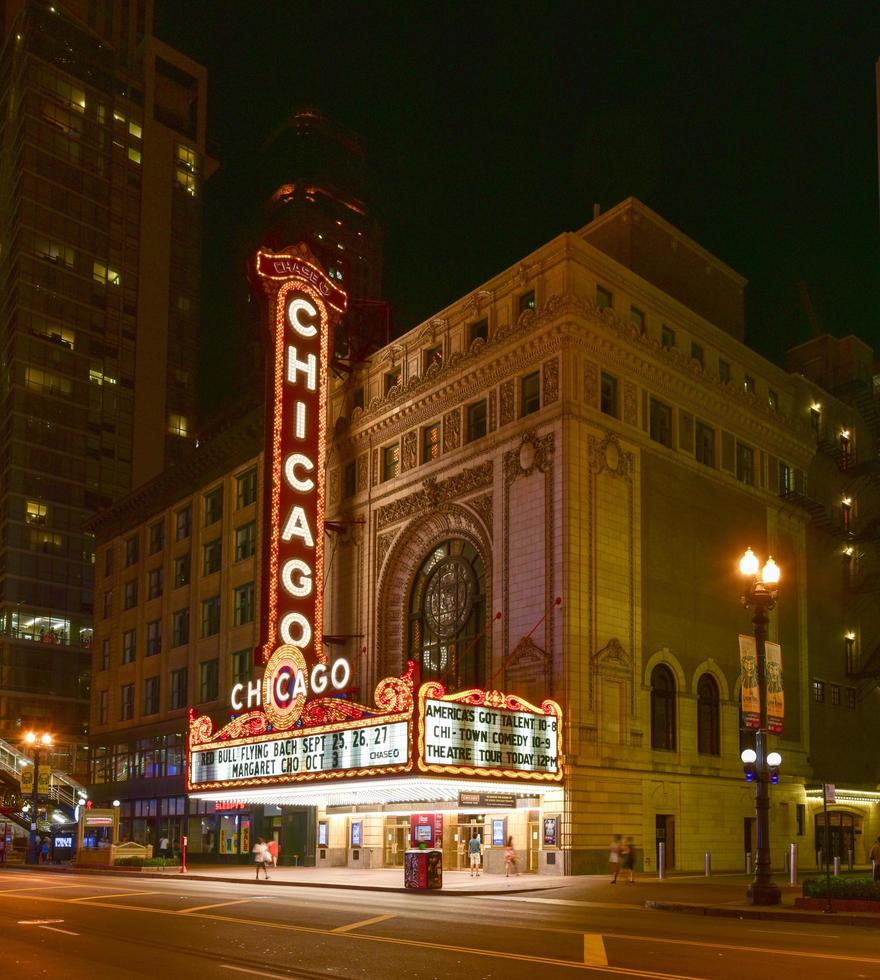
760	588
35	743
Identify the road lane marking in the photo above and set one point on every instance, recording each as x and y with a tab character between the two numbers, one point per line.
362	923
66	932
594	950
784	932
31	888
215	905
258	973
89	898
567	901
38	922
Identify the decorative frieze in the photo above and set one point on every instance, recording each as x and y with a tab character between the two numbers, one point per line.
591	384
409	456
451	430
550	378
508	402
435	493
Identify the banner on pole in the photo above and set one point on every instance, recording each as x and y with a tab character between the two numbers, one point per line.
751	697
775	693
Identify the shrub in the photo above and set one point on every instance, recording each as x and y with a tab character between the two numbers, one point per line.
860	888
137	862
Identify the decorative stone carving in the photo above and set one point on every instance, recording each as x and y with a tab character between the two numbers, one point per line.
508	406
333	490
483	506
606	455
409	456
630	404
375	479
435	493
493	411
534	453
550	376
613	656
363	472
451	430
528	671
591	384
521	276
383	544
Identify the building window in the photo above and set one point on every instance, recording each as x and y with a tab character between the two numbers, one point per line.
243	610
183	524
705	444
155	580
723	372
390	461
103	707
431	357
662	708
211	556
208	680
667	337
786	478
604	298
245	541
108	561
748	383
431	442
834	693
131	551
846	514
447	616
697	353
177	424
772	400
660	422
745	464
800	813
181	570
126	702
851	698
637	318
241	666
157	537
708	716
819	692
357	399
478	330
476	421
246	488
392	379
130	594
526	302
608	395
108	604
179	627
210	625
105	653
530	393
187	169
179	694
349	480
129	646
35	512
104	274
151	696
852	658
154	637
213	506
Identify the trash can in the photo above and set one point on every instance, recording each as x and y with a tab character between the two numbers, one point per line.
423	869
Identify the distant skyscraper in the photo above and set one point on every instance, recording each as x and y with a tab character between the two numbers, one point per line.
102	155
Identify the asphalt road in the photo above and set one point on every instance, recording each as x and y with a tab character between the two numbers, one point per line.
85	926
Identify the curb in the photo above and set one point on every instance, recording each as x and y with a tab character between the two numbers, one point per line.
750	912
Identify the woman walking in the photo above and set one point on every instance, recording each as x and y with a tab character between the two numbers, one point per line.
510	859
628	858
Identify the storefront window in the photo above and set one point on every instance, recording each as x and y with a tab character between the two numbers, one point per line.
231	833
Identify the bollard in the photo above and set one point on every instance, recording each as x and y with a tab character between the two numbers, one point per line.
792	865
836	866
660	865
748	862
849	859
708	868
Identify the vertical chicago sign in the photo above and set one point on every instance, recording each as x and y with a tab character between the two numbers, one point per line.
302	306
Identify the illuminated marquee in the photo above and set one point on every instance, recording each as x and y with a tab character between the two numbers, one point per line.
302	301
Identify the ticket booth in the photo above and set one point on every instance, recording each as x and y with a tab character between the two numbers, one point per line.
97	835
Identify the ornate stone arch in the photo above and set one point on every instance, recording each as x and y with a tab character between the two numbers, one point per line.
665	656
709	666
404	559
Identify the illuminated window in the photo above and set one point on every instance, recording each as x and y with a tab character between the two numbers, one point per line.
53	331
47	382
134	155
97	377
245	541
662	708
187	182
390	461
432	356
54	252
786	478
186	170
35	512
46	541
392	379
530	393
772	400
104	274
118	116
748	383
246	488
431	442
135	130
177	424
667	337
852	657
476	421
243	608
526	301
447	616
819	692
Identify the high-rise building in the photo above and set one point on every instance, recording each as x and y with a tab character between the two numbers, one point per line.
102	157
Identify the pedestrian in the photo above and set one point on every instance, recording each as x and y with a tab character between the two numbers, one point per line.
614	858
628	858
272	850
475	849
261	857
875	859
44	851
164	847
3	849
510	859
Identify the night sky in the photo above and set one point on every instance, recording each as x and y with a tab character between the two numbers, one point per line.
492	127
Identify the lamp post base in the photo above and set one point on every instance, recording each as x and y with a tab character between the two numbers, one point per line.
764	893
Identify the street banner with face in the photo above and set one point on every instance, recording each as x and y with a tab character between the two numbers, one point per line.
775	696
751	699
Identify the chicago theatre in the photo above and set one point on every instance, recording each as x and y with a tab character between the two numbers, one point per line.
486	579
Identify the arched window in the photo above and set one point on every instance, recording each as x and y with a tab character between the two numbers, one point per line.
708	721
447	616
662	708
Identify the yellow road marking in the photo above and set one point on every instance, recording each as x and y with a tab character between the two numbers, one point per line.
594	950
89	898
363	922
216	905
32	888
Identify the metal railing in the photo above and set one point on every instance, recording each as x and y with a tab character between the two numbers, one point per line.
63	789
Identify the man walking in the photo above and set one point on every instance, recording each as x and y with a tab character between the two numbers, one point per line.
261	858
475	849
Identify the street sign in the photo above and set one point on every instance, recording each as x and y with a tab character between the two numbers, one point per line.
27	780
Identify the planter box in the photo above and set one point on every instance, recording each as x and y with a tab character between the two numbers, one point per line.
838	904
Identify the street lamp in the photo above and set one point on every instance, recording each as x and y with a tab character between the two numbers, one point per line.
759	592
35	743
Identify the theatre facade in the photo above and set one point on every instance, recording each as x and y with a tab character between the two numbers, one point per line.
485	581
